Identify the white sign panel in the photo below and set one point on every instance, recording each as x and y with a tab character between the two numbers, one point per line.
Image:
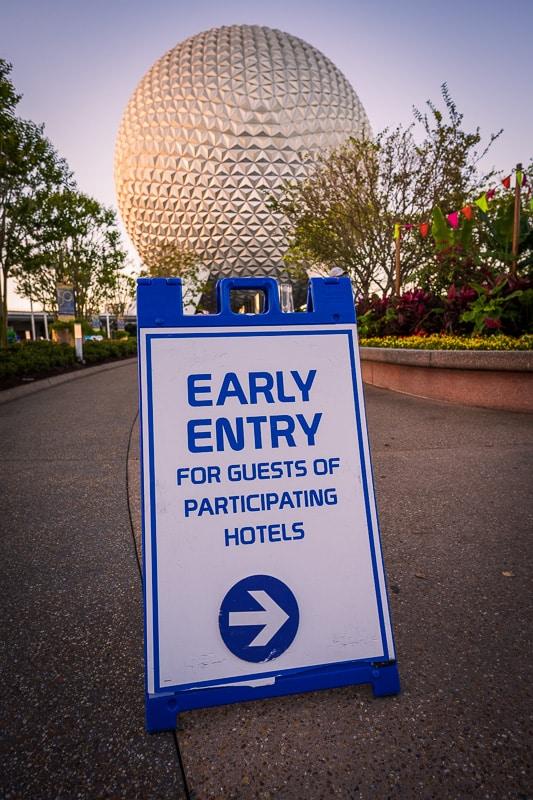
262	552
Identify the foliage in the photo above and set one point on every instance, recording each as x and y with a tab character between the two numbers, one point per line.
30	168
414	312
480	249
498	304
93	352
68	325
121	294
34	359
344	213
78	244
506	305
454	255
169	261
443	342
27	360
495	231
49	231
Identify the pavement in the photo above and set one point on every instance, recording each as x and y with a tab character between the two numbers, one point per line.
454	494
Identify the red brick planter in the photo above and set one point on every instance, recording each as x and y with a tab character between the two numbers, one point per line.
486	378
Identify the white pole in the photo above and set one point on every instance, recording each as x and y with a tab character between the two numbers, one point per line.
45	320
107	324
32	320
78	341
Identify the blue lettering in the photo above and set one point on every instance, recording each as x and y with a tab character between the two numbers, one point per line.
221	505
282	426
282	397
298	527
193	389
235	439
274	532
205	507
234	536
244	532
304	386
193	434
231	388
257	422
256	388
311	429
190	506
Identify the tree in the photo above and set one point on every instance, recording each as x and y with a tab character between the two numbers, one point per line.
121	295
170	261
344	213
76	242
29	168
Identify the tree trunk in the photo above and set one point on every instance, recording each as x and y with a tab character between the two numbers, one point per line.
3	310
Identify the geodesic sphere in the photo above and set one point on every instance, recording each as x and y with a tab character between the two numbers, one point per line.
214	129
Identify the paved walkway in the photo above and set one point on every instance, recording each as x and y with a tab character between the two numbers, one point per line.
454	491
73	684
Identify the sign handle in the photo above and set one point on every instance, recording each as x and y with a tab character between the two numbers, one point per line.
267	285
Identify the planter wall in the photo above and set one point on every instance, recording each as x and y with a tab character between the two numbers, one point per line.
486	378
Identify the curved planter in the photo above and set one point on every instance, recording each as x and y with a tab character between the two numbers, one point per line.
486	378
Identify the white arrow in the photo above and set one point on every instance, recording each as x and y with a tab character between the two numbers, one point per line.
272	617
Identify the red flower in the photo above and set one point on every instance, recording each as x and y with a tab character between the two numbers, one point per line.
492	324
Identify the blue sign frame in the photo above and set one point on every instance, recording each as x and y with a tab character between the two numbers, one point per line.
330	307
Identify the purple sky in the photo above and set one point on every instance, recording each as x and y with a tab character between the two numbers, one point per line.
77	62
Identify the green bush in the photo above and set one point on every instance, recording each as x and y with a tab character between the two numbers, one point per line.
34	359
41	358
68	325
93	352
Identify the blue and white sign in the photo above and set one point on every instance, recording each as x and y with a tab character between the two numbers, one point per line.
263	567
66	301
258	618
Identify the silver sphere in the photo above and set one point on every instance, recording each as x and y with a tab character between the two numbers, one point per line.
217	126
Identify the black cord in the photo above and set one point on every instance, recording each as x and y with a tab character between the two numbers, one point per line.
188	794
132	527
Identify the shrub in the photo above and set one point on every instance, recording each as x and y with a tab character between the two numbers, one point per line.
93	352
499	342
493	305
68	325
34	359
416	312
41	358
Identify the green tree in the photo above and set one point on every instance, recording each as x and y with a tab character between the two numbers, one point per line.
169	261
121	294
344	213
29	168
76	242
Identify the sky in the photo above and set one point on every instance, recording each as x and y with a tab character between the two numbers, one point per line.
77	62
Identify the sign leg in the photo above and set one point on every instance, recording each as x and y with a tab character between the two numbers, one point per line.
385	680
161	713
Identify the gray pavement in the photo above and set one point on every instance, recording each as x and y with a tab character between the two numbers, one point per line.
72	715
454	492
